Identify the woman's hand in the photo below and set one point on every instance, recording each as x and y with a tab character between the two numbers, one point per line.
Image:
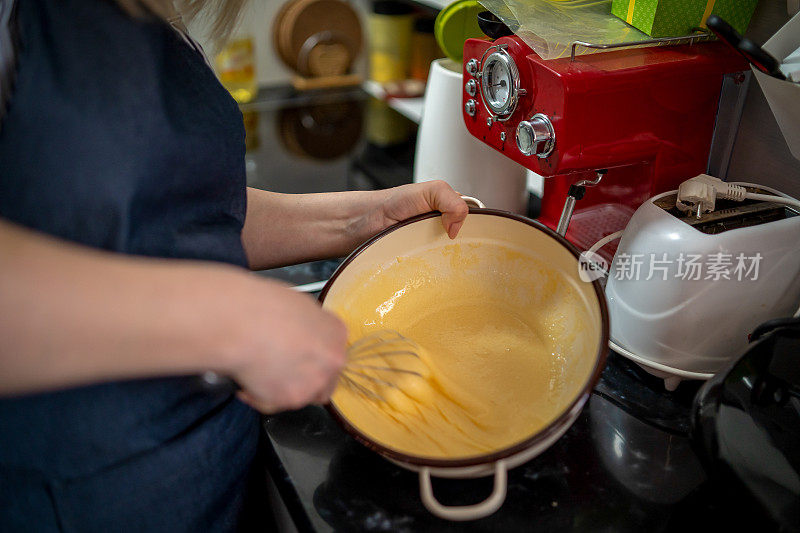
407	201
285	351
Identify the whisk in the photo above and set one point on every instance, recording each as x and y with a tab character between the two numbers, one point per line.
380	344
385	344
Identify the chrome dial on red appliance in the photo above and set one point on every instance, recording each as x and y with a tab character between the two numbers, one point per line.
500	84
536	136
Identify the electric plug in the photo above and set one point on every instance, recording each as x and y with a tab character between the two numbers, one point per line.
699	194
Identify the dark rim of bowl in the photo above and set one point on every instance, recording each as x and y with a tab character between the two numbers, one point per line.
540	436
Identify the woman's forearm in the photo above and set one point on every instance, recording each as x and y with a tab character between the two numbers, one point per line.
70	315
282	229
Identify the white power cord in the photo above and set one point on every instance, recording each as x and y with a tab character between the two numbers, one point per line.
699	194
589	254
605	240
773	199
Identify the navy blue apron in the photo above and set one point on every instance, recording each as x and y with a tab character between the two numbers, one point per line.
119	137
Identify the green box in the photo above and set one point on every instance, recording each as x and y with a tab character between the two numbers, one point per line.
671	18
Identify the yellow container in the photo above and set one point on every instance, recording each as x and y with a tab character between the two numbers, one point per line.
390	28
236	69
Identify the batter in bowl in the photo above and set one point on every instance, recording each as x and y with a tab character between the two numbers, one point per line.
502	351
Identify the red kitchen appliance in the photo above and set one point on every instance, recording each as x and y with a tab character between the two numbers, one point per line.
638	121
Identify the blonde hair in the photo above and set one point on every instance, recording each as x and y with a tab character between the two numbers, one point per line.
220	15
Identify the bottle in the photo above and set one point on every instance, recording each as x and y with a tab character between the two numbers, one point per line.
235	65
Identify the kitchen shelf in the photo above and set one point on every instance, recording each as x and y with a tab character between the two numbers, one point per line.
411	108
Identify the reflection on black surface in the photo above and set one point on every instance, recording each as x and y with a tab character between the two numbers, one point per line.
311	429
748	422
654	465
250	119
385	127
322	131
305	272
393	162
643	395
319	144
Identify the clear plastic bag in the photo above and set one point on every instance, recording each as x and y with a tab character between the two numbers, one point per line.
551	26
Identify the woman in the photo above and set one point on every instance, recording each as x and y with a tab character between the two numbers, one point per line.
125	229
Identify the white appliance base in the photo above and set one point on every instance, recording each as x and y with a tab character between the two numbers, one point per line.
671	376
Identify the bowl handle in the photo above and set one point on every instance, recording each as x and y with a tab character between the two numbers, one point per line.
471	200
466	512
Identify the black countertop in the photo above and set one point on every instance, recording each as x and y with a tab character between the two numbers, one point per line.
627	463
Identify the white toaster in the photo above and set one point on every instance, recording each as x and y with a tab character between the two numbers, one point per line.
680	320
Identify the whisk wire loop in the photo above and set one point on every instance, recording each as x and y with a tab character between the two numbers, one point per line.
378	344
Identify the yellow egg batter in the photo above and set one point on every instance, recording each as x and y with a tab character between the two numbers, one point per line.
502	350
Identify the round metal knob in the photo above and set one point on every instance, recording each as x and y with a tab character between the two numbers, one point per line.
471	87
470	108
536	136
472	67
